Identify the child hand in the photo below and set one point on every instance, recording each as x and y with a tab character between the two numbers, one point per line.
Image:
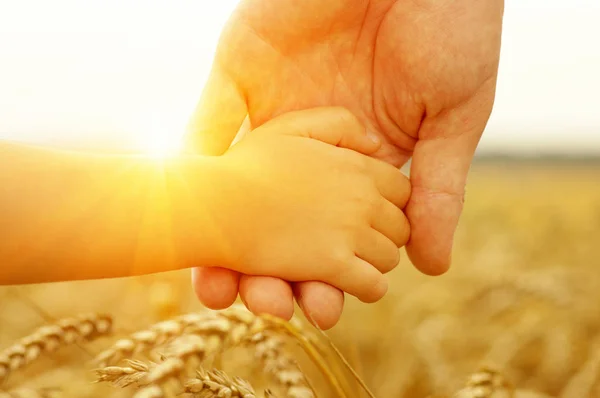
300	209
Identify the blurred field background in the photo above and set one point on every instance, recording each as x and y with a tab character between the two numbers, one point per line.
523	295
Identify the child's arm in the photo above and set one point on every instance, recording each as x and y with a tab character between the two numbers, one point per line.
276	204
67	215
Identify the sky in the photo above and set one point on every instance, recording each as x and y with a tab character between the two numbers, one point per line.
130	72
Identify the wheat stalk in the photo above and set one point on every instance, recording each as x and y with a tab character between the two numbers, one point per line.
49	338
428	337
582	383
269	348
307	344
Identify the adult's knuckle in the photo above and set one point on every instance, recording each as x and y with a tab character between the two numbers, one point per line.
421	193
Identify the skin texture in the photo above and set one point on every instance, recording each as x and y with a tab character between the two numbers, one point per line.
421	74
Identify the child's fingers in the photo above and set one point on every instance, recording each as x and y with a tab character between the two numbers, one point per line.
267	295
332	125
391	183
216	288
378	250
391	222
218	115
320	302
360	279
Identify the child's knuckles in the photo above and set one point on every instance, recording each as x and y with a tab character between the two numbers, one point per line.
367	200
359	204
337	263
374	198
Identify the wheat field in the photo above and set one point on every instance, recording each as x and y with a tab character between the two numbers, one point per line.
518	315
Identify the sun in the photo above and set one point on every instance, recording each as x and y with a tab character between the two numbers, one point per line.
161	139
162	146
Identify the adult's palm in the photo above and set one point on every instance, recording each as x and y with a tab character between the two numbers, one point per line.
419	73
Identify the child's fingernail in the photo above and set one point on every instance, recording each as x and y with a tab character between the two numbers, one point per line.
373	137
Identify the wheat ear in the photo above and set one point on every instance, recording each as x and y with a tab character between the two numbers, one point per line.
309	347
49	338
217	328
486	383
217	383
31	393
152	378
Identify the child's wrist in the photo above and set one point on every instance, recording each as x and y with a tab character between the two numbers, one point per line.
198	210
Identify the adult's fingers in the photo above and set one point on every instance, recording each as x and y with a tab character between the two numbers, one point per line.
216	288
332	125
441	162
267	295
320	302
218	115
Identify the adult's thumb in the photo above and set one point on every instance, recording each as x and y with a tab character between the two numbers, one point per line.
218	115
440	165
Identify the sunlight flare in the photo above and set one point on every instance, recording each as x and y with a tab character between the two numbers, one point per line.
161	137
161	146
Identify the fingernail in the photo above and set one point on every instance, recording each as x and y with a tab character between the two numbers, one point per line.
373	136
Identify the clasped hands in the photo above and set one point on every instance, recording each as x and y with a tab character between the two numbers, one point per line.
418	75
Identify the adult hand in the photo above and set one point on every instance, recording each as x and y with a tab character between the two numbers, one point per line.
419	73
